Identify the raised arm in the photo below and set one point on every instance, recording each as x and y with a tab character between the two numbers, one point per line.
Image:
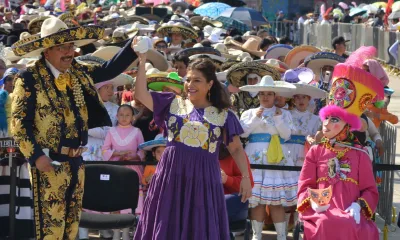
141	92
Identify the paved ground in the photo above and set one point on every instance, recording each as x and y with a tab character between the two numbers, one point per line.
394	233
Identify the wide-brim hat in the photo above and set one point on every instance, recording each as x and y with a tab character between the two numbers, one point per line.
277	51
212	56
69	19
35	25
158	81
238	72
250	46
201	22
187	33
297	55
55	32
156	59
199	50
309	90
159	141
227	52
135	18
275	63
318	60
268	84
120	80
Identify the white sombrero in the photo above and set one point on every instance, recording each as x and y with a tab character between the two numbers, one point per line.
267	84
159	141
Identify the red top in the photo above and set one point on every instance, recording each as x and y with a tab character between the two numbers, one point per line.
127	96
232	184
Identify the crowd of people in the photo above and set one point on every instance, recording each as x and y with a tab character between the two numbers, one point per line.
205	101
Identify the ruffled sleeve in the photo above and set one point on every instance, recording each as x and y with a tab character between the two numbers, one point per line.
161	105
232	127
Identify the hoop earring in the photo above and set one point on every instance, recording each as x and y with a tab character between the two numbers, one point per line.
209	96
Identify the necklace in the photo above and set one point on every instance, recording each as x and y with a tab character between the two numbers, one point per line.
339	153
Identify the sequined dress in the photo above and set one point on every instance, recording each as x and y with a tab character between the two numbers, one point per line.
186	199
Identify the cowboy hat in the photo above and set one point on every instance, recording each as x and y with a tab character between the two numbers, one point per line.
278	51
55	32
297	55
318	60
171	28
267	84
302	78
238	72
120	80
159	141
251	46
158	81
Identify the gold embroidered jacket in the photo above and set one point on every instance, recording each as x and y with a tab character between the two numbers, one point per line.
243	101
44	117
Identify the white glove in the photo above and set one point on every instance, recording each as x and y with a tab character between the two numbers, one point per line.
354	211
319	209
143	45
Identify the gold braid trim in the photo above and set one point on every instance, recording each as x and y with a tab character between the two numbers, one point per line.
36	193
341	179
366	210
304	205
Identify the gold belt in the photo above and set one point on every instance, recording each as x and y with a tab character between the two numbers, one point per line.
73	152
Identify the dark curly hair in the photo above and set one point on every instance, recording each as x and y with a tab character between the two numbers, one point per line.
218	96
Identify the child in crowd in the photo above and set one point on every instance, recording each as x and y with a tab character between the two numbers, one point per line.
121	144
157	147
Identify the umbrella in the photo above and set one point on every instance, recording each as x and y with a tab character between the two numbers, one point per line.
211	10
380	4
232	23
396	6
394	15
182	5
247	15
370	8
357	12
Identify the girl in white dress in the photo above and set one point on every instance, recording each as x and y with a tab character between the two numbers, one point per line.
267	128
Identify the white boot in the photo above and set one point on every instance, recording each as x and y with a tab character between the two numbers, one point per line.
125	234
83	233
280	230
257	229
287	220
117	234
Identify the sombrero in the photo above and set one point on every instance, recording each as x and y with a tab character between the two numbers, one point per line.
268	84
201	22
278	51
8	52
199	50
55	32
301	78
297	55
251	46
186	32
212	56
275	63
120	80
158	81
120	37
35	25
139	19
158	141
318	60
227	53
69	19
152	17
238	72
155	58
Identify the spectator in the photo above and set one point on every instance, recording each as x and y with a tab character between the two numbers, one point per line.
262	33
3	67
279	23
8	79
127	94
347	18
339	46
285	40
378	21
157	147
180	63
206	43
238	38
265	44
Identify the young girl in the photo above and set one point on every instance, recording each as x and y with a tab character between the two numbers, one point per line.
157	147
121	144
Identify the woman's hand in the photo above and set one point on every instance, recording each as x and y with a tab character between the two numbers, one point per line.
259	112
245	188
310	140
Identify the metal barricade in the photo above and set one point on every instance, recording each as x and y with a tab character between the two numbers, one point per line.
389	133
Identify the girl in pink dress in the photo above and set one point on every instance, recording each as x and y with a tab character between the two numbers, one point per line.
341	163
121	144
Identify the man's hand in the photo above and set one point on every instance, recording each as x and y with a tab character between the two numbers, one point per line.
43	164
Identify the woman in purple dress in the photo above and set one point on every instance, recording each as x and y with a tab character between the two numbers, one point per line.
186	198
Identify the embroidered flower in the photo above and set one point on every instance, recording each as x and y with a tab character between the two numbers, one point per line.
212	115
48	42
36	44
194	134
213	147
181	107
217	131
19	51
171	121
26	148
170	135
80	33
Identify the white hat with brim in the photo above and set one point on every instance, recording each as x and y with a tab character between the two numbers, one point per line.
213	57
267	84
250	46
309	90
159	141
55	32
120	80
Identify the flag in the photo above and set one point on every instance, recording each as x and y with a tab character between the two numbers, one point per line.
388	11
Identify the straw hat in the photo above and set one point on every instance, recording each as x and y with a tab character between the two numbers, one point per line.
278	51
238	72
251	46
301	78
227	53
267	84
297	55
120	80
201	22
159	141
55	32
318	60
170	28
158	81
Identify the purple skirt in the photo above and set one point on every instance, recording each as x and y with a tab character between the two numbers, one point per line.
186	199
